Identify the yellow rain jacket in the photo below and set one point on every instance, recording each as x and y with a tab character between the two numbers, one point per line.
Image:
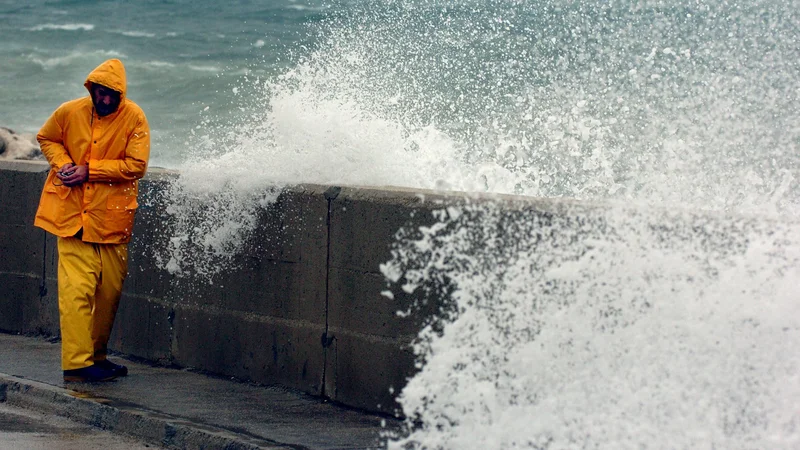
116	147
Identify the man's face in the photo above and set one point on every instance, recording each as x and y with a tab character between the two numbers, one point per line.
105	100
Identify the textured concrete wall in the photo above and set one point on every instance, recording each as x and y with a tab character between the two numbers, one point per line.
27	298
303	306
302	310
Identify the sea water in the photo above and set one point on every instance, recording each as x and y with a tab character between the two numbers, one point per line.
181	57
666	317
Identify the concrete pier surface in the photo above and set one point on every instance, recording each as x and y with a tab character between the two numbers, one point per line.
23	429
175	408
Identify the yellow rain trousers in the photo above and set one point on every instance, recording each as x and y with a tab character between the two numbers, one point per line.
90	280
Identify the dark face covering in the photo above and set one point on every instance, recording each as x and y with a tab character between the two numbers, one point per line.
105	100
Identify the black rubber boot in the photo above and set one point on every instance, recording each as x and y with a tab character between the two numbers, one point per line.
91	373
118	369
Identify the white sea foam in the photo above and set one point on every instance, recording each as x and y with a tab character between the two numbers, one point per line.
159	64
49	63
202	68
298	7
64	27
612	328
143	34
591	328
419	112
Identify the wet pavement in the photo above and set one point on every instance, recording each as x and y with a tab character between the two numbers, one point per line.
180	408
22	429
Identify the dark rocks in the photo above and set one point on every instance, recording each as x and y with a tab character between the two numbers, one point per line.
18	146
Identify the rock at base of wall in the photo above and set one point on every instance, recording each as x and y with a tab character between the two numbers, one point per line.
18	146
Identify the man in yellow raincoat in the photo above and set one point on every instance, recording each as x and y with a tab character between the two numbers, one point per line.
98	147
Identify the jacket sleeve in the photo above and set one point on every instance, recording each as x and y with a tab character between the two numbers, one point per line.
51	140
133	166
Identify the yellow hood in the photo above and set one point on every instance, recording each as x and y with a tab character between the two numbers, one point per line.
110	74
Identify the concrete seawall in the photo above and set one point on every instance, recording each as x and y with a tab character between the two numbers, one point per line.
302	305
303	310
